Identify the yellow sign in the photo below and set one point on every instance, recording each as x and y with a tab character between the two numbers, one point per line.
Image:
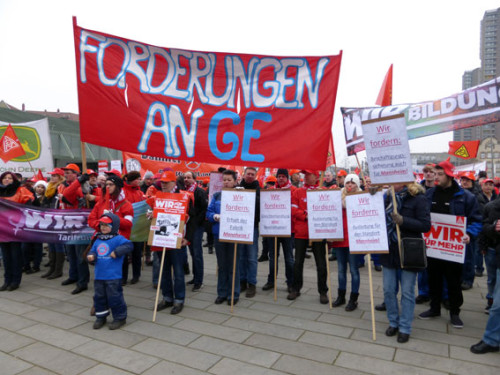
462	151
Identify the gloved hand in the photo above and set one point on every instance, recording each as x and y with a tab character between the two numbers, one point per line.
397	218
83	178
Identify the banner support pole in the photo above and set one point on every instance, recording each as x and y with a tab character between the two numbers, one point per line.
371	297
159	284
275	266
328	276
234	274
84	157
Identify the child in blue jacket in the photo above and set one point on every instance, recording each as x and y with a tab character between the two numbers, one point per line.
108	253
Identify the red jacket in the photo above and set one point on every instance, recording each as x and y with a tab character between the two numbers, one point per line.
71	195
133	193
22	195
299	212
120	207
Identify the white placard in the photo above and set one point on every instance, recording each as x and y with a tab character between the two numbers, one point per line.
116	164
166	230
35	140
387	150
237	215
444	240
324	214
366	223
275	213
214	185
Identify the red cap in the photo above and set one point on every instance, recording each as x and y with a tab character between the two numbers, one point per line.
488	180
106	220
72	167
469	175
58	171
114	171
91	172
448	168
341	173
271	179
206	181
157	176
311	171
168	176
294	171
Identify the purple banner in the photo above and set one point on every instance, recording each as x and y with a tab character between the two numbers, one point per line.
21	223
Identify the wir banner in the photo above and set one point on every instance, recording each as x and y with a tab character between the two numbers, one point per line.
222	108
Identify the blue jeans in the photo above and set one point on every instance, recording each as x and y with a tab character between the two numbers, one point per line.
248	254
468	272
108	295
401	320
78	267
286	243
156	266
174	290
12	262
343	256
423	283
479	259
492	332
196	251
491	269
225	259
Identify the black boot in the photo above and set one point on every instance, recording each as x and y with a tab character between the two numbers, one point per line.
59	264
353	302
340	299
52	264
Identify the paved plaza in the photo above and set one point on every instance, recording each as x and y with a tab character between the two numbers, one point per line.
46	330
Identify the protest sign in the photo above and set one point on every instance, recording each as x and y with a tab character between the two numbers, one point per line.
169	213
215	185
387	150
103	166
275	213
116	164
444	240
366	223
35	140
324	215
204	106
476	106
237	216
476	167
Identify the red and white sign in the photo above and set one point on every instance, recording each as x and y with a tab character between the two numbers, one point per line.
221	108
366	223
170	211
324	214
444	240
237	215
103	166
275	213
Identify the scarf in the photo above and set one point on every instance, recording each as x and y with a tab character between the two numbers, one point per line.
288	185
105	237
392	234
310	187
52	189
192	188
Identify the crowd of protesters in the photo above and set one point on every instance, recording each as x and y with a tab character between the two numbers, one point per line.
110	197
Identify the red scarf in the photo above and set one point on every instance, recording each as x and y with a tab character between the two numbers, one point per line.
192	187
288	185
310	187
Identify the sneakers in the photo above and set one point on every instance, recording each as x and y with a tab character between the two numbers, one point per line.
99	323
268	286
115	324
197	287
251	290
429	314
481	348
177	308
455	321
164	305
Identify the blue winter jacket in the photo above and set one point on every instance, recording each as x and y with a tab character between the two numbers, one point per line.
214	208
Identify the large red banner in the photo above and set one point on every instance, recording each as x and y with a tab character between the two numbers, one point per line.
221	108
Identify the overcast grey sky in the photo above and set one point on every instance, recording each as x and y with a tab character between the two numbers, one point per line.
430	43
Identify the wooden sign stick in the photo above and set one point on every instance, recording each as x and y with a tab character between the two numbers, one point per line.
371	296
275	267
234	274
159	284
328	276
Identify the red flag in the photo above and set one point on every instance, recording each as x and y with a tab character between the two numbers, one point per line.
357	170
385	95
10	147
464	149
330	158
38	176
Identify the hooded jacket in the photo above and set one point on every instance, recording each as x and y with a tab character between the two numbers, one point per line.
14	192
106	267
119	206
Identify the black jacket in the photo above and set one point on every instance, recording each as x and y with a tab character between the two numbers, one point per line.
200	206
489	237
255	186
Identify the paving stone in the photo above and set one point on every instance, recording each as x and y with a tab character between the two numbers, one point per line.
11	322
197	359
346	345
54	359
230	367
116	356
20	296
14	307
56	294
265	328
448	365
54	336
162	317
344	321
10	341
165	368
11	365
299	349
236	351
379	366
55	305
443	338
119	337
417	345
244	313
214	330
105	370
36	371
286	310
203	315
304	324
54	319
300	366
465	354
150	329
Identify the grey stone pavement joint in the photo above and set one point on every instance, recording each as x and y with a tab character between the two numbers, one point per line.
46	330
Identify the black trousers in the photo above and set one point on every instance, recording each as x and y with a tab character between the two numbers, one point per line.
452	272
319	252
